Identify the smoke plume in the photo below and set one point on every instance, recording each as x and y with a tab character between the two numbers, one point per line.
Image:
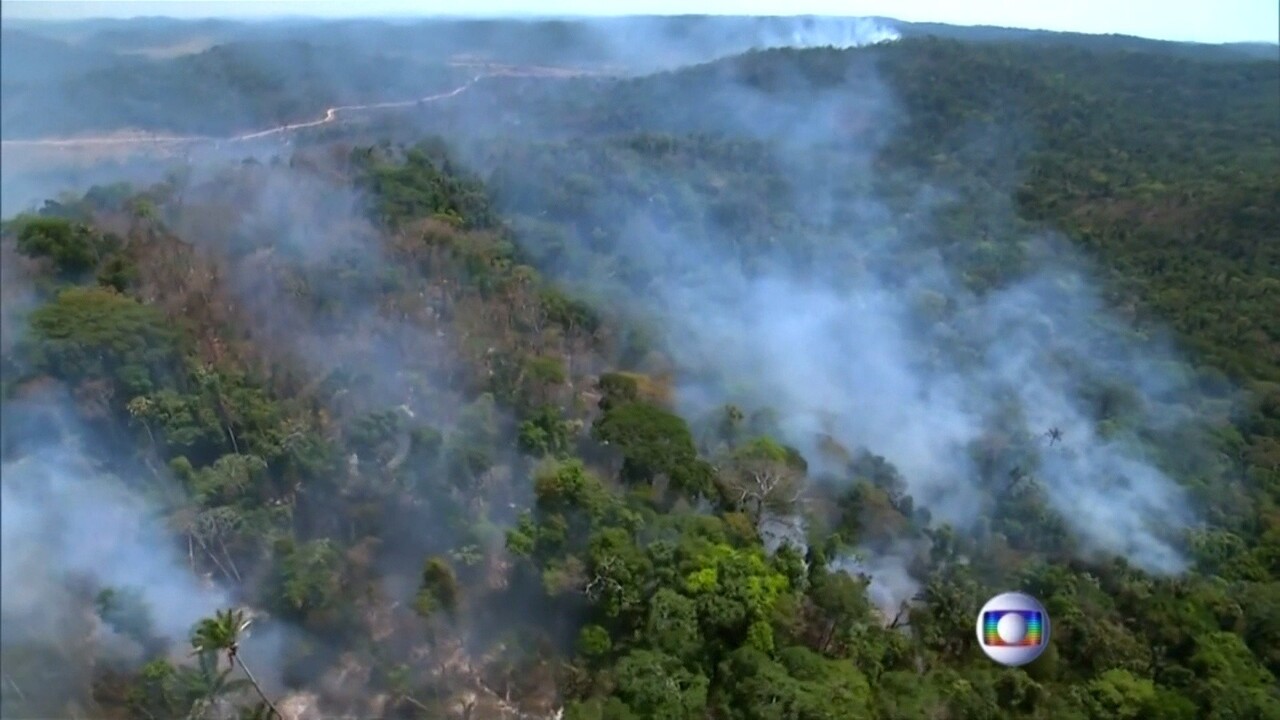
72	528
856	324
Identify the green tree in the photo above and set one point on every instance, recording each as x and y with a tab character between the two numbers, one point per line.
438	589
309	579
221	634
1118	694
96	333
762	477
654	685
163	690
594	642
672	626
71	246
653	442
545	432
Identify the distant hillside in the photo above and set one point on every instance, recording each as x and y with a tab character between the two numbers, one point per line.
29	58
223	90
987	33
588	38
726	392
1149	159
216	76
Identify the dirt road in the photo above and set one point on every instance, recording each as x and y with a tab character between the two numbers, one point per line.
331	115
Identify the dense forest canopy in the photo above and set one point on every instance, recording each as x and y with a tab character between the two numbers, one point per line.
730	391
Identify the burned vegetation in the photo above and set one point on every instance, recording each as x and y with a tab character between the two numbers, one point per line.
335	433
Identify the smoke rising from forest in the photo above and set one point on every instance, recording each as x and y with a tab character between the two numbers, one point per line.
293	267
646	44
72	528
334	299
869	336
855	364
849	323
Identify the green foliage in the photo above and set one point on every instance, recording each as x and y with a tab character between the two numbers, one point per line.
594	642
72	247
220	633
1114	169
1177	206
117	273
224	412
87	334
228	480
1161	166
165	690
438	589
424	184
617	389
672	626
309	579
1261	605
800	684
568	487
654	685
1118	694
570	503
653	442
545	432
567	311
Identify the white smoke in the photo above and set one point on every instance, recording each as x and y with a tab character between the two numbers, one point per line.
66	521
813	32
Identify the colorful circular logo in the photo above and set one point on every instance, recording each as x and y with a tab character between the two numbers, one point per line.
1013	628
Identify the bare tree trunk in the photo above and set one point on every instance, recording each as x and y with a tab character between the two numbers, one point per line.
826	636
234	570
21	695
902	618
150	436
413	700
234	445
146	460
257	687
214	558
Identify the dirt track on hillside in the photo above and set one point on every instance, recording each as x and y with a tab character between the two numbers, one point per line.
127	139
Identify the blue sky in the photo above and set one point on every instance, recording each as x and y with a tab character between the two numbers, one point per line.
1201	20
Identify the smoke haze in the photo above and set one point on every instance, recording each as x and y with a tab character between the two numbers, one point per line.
71	529
855	325
850	318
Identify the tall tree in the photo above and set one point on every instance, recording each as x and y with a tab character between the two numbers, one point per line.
221	634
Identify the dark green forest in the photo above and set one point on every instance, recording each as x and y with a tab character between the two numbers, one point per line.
399	410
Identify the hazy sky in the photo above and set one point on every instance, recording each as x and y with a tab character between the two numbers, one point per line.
1199	20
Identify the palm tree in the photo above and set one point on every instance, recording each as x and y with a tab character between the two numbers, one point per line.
221	633
165	691
207	685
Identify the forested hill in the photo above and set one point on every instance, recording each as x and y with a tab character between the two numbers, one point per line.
218	91
99	76
1160	166
1092	42
727	393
